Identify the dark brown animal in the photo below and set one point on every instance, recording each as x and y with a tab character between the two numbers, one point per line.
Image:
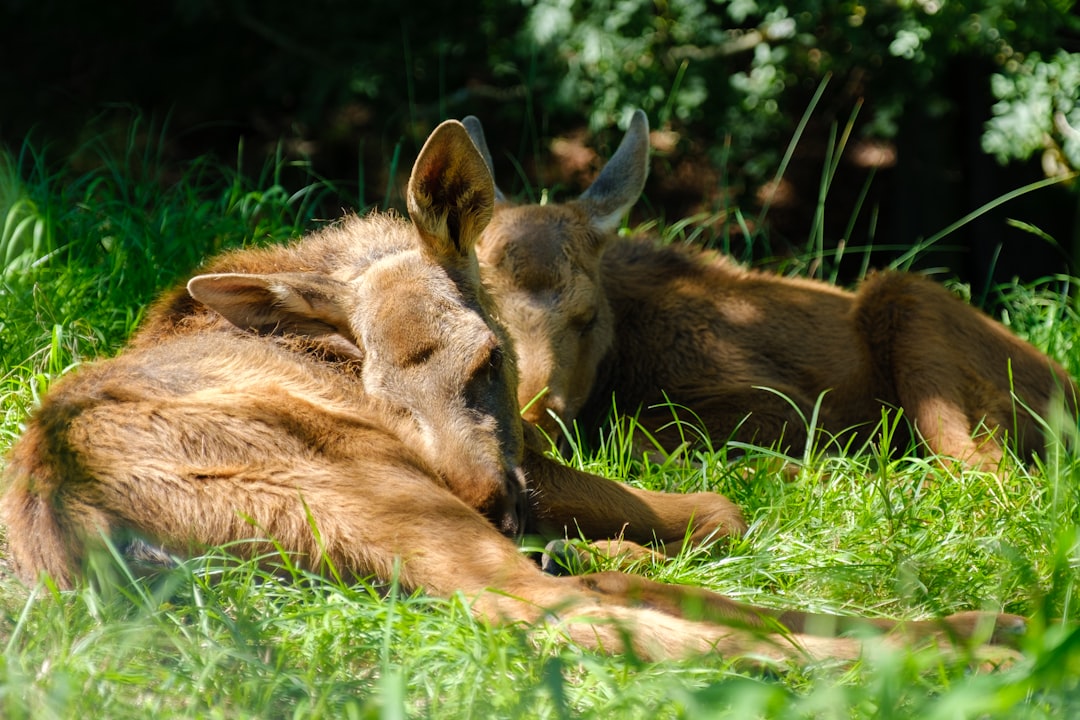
746	355
349	398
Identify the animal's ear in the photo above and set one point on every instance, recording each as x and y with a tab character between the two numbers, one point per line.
476	132
620	183
451	193
300	303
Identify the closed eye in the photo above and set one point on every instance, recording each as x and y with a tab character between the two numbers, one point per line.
584	324
495	360
489	359
418	355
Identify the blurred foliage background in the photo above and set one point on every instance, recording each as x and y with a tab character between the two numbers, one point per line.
925	109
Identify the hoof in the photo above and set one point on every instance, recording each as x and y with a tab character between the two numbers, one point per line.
561	558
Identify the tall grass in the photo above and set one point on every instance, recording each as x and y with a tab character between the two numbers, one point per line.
87	250
860	532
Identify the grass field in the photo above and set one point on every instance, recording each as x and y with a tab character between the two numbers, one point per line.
82	253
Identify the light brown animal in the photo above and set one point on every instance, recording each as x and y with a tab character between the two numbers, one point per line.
745	354
349	397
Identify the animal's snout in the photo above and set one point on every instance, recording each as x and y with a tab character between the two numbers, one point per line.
509	517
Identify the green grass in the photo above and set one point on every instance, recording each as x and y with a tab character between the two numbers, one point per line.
889	536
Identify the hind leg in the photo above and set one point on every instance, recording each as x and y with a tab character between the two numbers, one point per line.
964	381
697	604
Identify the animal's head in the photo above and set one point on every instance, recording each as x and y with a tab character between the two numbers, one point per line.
406	297
542	266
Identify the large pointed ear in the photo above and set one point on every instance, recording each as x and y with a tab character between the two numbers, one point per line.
620	183
451	193
476	132
298	303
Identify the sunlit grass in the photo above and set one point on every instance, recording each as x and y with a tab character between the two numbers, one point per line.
87	251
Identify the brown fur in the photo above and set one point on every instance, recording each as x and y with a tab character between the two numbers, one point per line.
347	397
747	353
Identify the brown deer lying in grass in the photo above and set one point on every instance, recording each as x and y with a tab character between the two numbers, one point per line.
747	353
349	397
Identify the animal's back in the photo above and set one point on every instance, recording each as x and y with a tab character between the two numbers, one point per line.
688	321
341	249
187	443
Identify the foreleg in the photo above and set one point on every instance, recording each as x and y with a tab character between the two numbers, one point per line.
565	501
